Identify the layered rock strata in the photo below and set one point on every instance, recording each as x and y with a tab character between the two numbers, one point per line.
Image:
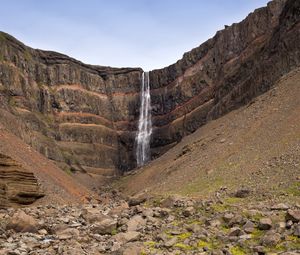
17	186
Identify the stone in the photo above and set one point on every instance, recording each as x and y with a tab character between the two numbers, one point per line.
171	242
93	215
126	237
68	234
280	206
235	232
138	199
293	215
242	193
271	238
248	227
297	230
189	211
135	223
265	224
106	226
21	222
227	217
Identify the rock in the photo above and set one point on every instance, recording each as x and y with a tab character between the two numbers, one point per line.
68	234
148	212
280	226
21	222
18	186
138	199
131	249
93	215
126	237
228	217
117	211
213	223
265	224
236	220
280	206
248	227
106	226
171	242
195	228
135	223
189	211
235	232
293	215
297	230
242	193
271	238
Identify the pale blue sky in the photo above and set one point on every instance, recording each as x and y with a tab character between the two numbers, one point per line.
136	33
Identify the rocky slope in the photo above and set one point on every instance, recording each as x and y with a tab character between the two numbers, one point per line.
26	175
175	225
85	117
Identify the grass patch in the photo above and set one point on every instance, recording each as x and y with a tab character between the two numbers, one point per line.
237	250
183	247
150	244
257	234
114	232
294	189
184	236
220	207
211	245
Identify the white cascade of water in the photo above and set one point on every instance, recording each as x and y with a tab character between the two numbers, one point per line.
145	123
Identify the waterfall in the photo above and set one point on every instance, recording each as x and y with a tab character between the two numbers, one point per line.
145	123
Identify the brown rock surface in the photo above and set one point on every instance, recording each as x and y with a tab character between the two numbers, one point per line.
17	186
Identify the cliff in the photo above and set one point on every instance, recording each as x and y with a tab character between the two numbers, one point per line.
85	117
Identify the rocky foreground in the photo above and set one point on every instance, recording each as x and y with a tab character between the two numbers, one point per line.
139	225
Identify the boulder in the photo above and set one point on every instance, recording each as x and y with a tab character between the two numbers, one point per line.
135	223
106	226
126	237
21	222
293	215
265	224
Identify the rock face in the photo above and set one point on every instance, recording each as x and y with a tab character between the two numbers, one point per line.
85	117
17	186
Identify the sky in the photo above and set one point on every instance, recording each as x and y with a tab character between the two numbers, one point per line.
122	33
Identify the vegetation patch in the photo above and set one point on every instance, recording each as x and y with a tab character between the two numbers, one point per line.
237	250
183	246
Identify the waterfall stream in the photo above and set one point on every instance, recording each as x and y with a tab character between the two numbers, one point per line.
145	123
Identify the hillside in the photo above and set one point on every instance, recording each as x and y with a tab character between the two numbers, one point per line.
256	147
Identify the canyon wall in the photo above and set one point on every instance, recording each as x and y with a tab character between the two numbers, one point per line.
85	117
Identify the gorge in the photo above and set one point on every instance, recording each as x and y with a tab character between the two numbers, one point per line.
85	118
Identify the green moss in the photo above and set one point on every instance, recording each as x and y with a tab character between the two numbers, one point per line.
211	245
220	207
202	244
150	244
233	200
114	232
237	250
183	246
294	189
184	236
225	228
257	234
